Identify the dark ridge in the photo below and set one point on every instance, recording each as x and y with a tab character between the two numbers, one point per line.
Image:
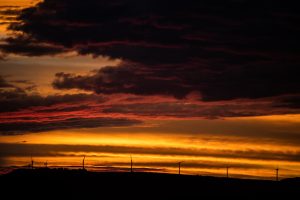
64	183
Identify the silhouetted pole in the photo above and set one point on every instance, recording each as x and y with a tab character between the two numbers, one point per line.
227	171
277	173
32	163
46	164
83	162
131	170
179	166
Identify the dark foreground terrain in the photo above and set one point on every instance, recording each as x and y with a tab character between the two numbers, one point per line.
81	184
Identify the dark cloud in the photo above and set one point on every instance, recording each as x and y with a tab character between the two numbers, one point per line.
23	81
4	83
123	79
26	46
222	84
224	50
13	128
210	111
18	99
22	112
289	102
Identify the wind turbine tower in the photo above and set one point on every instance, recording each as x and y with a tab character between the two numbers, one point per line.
83	162
32	162
277	174
179	167
227	171
131	170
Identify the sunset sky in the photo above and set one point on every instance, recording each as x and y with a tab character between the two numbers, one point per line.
210	83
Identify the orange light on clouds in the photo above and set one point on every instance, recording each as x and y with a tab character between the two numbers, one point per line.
161	151
289	118
252	146
157	140
21	3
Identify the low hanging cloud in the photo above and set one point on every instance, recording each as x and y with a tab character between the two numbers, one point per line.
128	79
292	102
208	111
4	83
14	128
224	84
23	45
24	112
18	99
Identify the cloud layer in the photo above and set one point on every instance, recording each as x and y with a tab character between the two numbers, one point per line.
63	150
180	59
62	124
223	50
24	111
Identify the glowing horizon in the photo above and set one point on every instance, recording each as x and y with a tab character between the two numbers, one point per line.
86	79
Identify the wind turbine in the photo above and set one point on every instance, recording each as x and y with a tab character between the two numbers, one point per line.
32	162
227	171
277	173
83	162
131	170
179	166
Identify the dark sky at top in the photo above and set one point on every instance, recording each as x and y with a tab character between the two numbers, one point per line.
221	49
210	51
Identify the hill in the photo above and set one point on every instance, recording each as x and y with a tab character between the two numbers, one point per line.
69	184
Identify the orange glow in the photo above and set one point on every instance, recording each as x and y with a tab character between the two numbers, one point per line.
161	151
146	140
22	3
251	146
291	118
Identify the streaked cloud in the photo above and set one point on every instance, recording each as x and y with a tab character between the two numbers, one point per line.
65	150
32	112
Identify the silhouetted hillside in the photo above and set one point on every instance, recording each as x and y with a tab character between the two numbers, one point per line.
68	184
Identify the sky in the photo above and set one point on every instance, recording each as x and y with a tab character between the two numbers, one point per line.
207	83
